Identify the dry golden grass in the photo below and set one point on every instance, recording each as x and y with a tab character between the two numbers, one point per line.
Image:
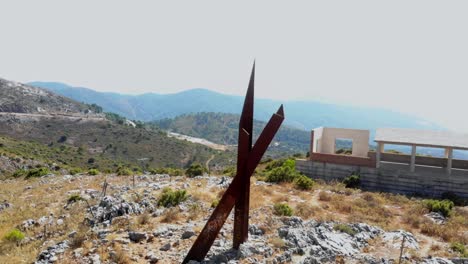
120	256
171	216
144	219
325	196
306	211
328	203
195	211
277	242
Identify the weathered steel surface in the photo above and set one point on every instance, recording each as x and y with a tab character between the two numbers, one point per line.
241	212
238	192
207	236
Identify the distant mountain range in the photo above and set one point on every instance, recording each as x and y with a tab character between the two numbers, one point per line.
40	125
304	115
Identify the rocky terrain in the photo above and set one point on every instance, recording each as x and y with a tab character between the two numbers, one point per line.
115	219
25	99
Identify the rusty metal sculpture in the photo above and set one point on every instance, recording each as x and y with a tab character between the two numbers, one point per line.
238	192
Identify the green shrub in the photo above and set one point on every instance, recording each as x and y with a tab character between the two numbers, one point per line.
93	172
345	229
303	182
460	248
75	171
171	198
442	206
230	171
19	173
274	164
74	198
14	236
214	203
39	172
123	171
282	209
196	169
352	181
168	171
281	171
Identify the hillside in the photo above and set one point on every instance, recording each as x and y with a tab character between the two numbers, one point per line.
84	137
223	129
301	114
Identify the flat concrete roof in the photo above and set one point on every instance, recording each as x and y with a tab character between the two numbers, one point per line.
426	138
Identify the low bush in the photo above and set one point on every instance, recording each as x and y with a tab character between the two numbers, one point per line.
93	172
123	171
195	169
352	181
74	198
460	248
14	235
271	164
19	173
230	171
442	206
170	198
35	173
286	172
282	209
345	229
75	171
214	203
303	182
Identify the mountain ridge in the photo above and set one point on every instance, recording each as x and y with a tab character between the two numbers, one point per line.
80	135
300	114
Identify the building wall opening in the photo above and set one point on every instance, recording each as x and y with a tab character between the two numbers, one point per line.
343	146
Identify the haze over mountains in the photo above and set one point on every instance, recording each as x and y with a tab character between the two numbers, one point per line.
36	124
301	114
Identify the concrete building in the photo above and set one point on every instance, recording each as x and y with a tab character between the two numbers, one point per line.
385	171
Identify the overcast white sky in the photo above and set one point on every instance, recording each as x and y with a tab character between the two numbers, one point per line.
409	56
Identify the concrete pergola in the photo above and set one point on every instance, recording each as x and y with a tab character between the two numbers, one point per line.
420	138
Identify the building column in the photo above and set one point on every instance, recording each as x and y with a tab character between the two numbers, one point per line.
378	151
413	158
311	144
449	156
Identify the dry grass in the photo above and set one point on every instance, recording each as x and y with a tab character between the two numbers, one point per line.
144	219
171	215
306	210
277	242
120	256
79	238
325	196
195	211
328	203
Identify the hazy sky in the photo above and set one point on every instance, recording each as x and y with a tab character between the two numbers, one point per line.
409	56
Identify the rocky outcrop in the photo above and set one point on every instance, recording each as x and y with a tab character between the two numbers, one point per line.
51	254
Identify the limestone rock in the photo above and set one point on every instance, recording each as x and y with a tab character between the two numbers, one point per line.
137	236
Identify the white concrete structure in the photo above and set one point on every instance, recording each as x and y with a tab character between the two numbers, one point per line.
325	140
421	138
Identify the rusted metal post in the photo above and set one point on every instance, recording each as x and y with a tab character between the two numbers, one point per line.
241	212
239	190
402	247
